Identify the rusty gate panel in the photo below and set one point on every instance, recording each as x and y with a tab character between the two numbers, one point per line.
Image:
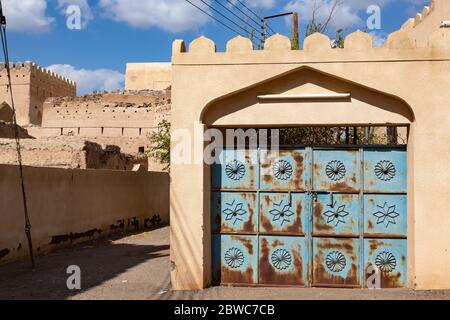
286	172
284	213
238	170
336	171
385	171
324	218
234	212
389	258
283	261
336	262
385	216
337	215
235	259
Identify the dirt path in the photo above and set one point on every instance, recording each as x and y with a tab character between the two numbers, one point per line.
137	267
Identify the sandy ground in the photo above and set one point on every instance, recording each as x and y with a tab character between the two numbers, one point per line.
137	267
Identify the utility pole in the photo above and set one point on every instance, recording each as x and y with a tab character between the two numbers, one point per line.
295	33
264	33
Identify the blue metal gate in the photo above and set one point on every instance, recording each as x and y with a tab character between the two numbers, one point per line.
311	217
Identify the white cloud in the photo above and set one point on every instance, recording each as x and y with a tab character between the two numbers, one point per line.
345	15
169	15
27	15
267	4
86	12
379	39
90	80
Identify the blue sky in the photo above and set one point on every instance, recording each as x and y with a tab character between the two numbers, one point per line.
114	32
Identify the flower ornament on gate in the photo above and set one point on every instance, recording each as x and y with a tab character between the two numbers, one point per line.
385	170
386	215
336	261
234	212
336	214
234	258
282	170
336	170
235	170
386	262
281	259
282	213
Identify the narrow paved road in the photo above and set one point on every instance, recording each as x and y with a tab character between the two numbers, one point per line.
137	267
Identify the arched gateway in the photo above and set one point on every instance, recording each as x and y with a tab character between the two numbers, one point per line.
319	215
332	215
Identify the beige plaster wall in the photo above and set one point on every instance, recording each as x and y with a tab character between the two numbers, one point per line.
71	206
414	78
152	76
427	21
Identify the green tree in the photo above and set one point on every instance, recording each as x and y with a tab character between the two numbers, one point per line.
159	148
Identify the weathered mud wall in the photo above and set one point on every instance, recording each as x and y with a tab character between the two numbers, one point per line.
72	206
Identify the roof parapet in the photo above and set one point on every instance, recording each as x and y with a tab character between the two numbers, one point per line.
357	41
31	66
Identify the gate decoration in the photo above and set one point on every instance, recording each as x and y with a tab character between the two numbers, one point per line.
312	217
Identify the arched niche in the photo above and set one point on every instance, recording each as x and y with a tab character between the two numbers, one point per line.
6	112
303	97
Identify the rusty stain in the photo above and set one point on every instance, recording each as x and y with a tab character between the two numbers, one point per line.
246	242
268	274
319	222
373	245
266	223
342	187
297	226
231	276
249	225
388	280
298	180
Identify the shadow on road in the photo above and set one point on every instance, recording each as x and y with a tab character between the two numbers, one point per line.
99	262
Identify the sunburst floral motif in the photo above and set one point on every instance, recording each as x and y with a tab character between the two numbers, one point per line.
234	212
386	262
336	261
282	212
282	170
281	259
235	170
234	258
385	170
386	215
336	170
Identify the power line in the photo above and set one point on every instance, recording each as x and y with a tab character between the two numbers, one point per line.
251	11
224	16
259	25
16	133
214	18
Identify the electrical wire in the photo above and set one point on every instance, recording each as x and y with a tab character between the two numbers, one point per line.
259	26
16	133
224	16
214	18
251	11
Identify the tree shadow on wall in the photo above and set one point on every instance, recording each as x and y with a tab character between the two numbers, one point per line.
99	262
